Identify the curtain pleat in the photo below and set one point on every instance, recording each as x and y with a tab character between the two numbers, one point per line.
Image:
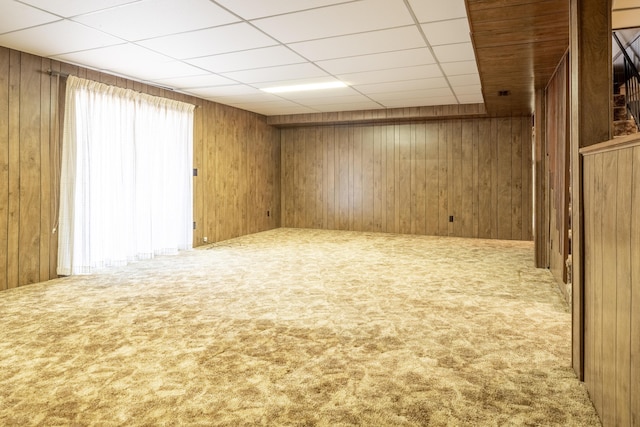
126	182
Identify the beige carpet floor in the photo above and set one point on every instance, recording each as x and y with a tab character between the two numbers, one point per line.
297	328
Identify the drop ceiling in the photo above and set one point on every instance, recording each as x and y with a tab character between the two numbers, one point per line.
391	53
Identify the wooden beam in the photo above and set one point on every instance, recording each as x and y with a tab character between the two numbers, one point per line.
388	115
591	97
518	45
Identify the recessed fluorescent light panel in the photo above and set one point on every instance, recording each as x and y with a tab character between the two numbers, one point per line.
304	87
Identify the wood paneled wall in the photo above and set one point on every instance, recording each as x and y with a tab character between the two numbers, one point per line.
238	161
612	283
590	124
540	179
236	153
557	141
410	178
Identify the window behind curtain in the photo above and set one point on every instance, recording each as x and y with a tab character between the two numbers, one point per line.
126	180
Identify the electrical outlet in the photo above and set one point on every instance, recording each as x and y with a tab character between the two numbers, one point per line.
204	239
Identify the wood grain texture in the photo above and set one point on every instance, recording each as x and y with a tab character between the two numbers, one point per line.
404	169
485	168
609	316
467	193
590	123
612	282
208	180
343	171
379	180
634	379
381	116
493	141
454	172
410	178
504	184
589	274
557	142
4	165
199	164
431	180
29	186
517	167
596	247
444	137
391	187
55	161
418	182
237	155
623	288
512	59
13	227
45	172
329	184
527	181
617	143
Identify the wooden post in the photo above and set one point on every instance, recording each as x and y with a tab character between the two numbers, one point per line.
541	203
591	117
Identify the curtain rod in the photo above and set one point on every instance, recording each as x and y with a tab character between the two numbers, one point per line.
65	75
56	73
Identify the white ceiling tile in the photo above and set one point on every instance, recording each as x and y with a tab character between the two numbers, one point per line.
326	108
447	32
200	48
16	16
190	82
210	41
251	9
423	93
248	59
153	18
156	71
349	18
471	99
251	98
114	56
68	8
56	38
467	90
378	61
340	92
438	10
310	99
220	91
421	102
273	108
391	75
140	70
464	80
457	68
275	74
454	52
360	44
410	85
172	69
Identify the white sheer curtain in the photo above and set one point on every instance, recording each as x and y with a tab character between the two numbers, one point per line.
126	181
